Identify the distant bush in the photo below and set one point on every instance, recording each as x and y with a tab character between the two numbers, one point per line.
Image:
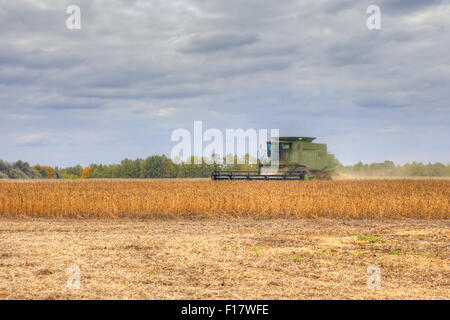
17	174
18	170
69	176
388	168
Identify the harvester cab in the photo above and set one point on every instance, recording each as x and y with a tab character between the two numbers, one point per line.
298	159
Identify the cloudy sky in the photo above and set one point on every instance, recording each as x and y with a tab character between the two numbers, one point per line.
137	70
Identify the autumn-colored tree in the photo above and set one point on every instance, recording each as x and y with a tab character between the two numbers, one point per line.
46	172
86	173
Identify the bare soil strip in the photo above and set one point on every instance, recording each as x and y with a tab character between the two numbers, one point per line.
240	259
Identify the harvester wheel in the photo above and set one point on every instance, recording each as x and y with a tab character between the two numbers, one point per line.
301	170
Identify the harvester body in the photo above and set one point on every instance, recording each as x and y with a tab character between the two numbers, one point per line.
300	152
298	159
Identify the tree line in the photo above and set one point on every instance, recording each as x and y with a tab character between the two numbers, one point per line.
152	167
162	167
22	170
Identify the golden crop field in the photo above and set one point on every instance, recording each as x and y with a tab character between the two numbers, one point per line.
373	199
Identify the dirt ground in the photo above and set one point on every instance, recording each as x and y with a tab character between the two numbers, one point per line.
240	259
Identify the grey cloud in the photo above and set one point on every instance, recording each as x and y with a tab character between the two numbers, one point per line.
37	58
141	93
72	105
336	6
407	7
255	66
218	41
17	76
389	7
379	103
137	70
30	141
351	54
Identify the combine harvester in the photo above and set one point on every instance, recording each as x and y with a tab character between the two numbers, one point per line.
299	159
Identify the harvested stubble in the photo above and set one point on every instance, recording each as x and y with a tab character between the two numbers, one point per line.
373	199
